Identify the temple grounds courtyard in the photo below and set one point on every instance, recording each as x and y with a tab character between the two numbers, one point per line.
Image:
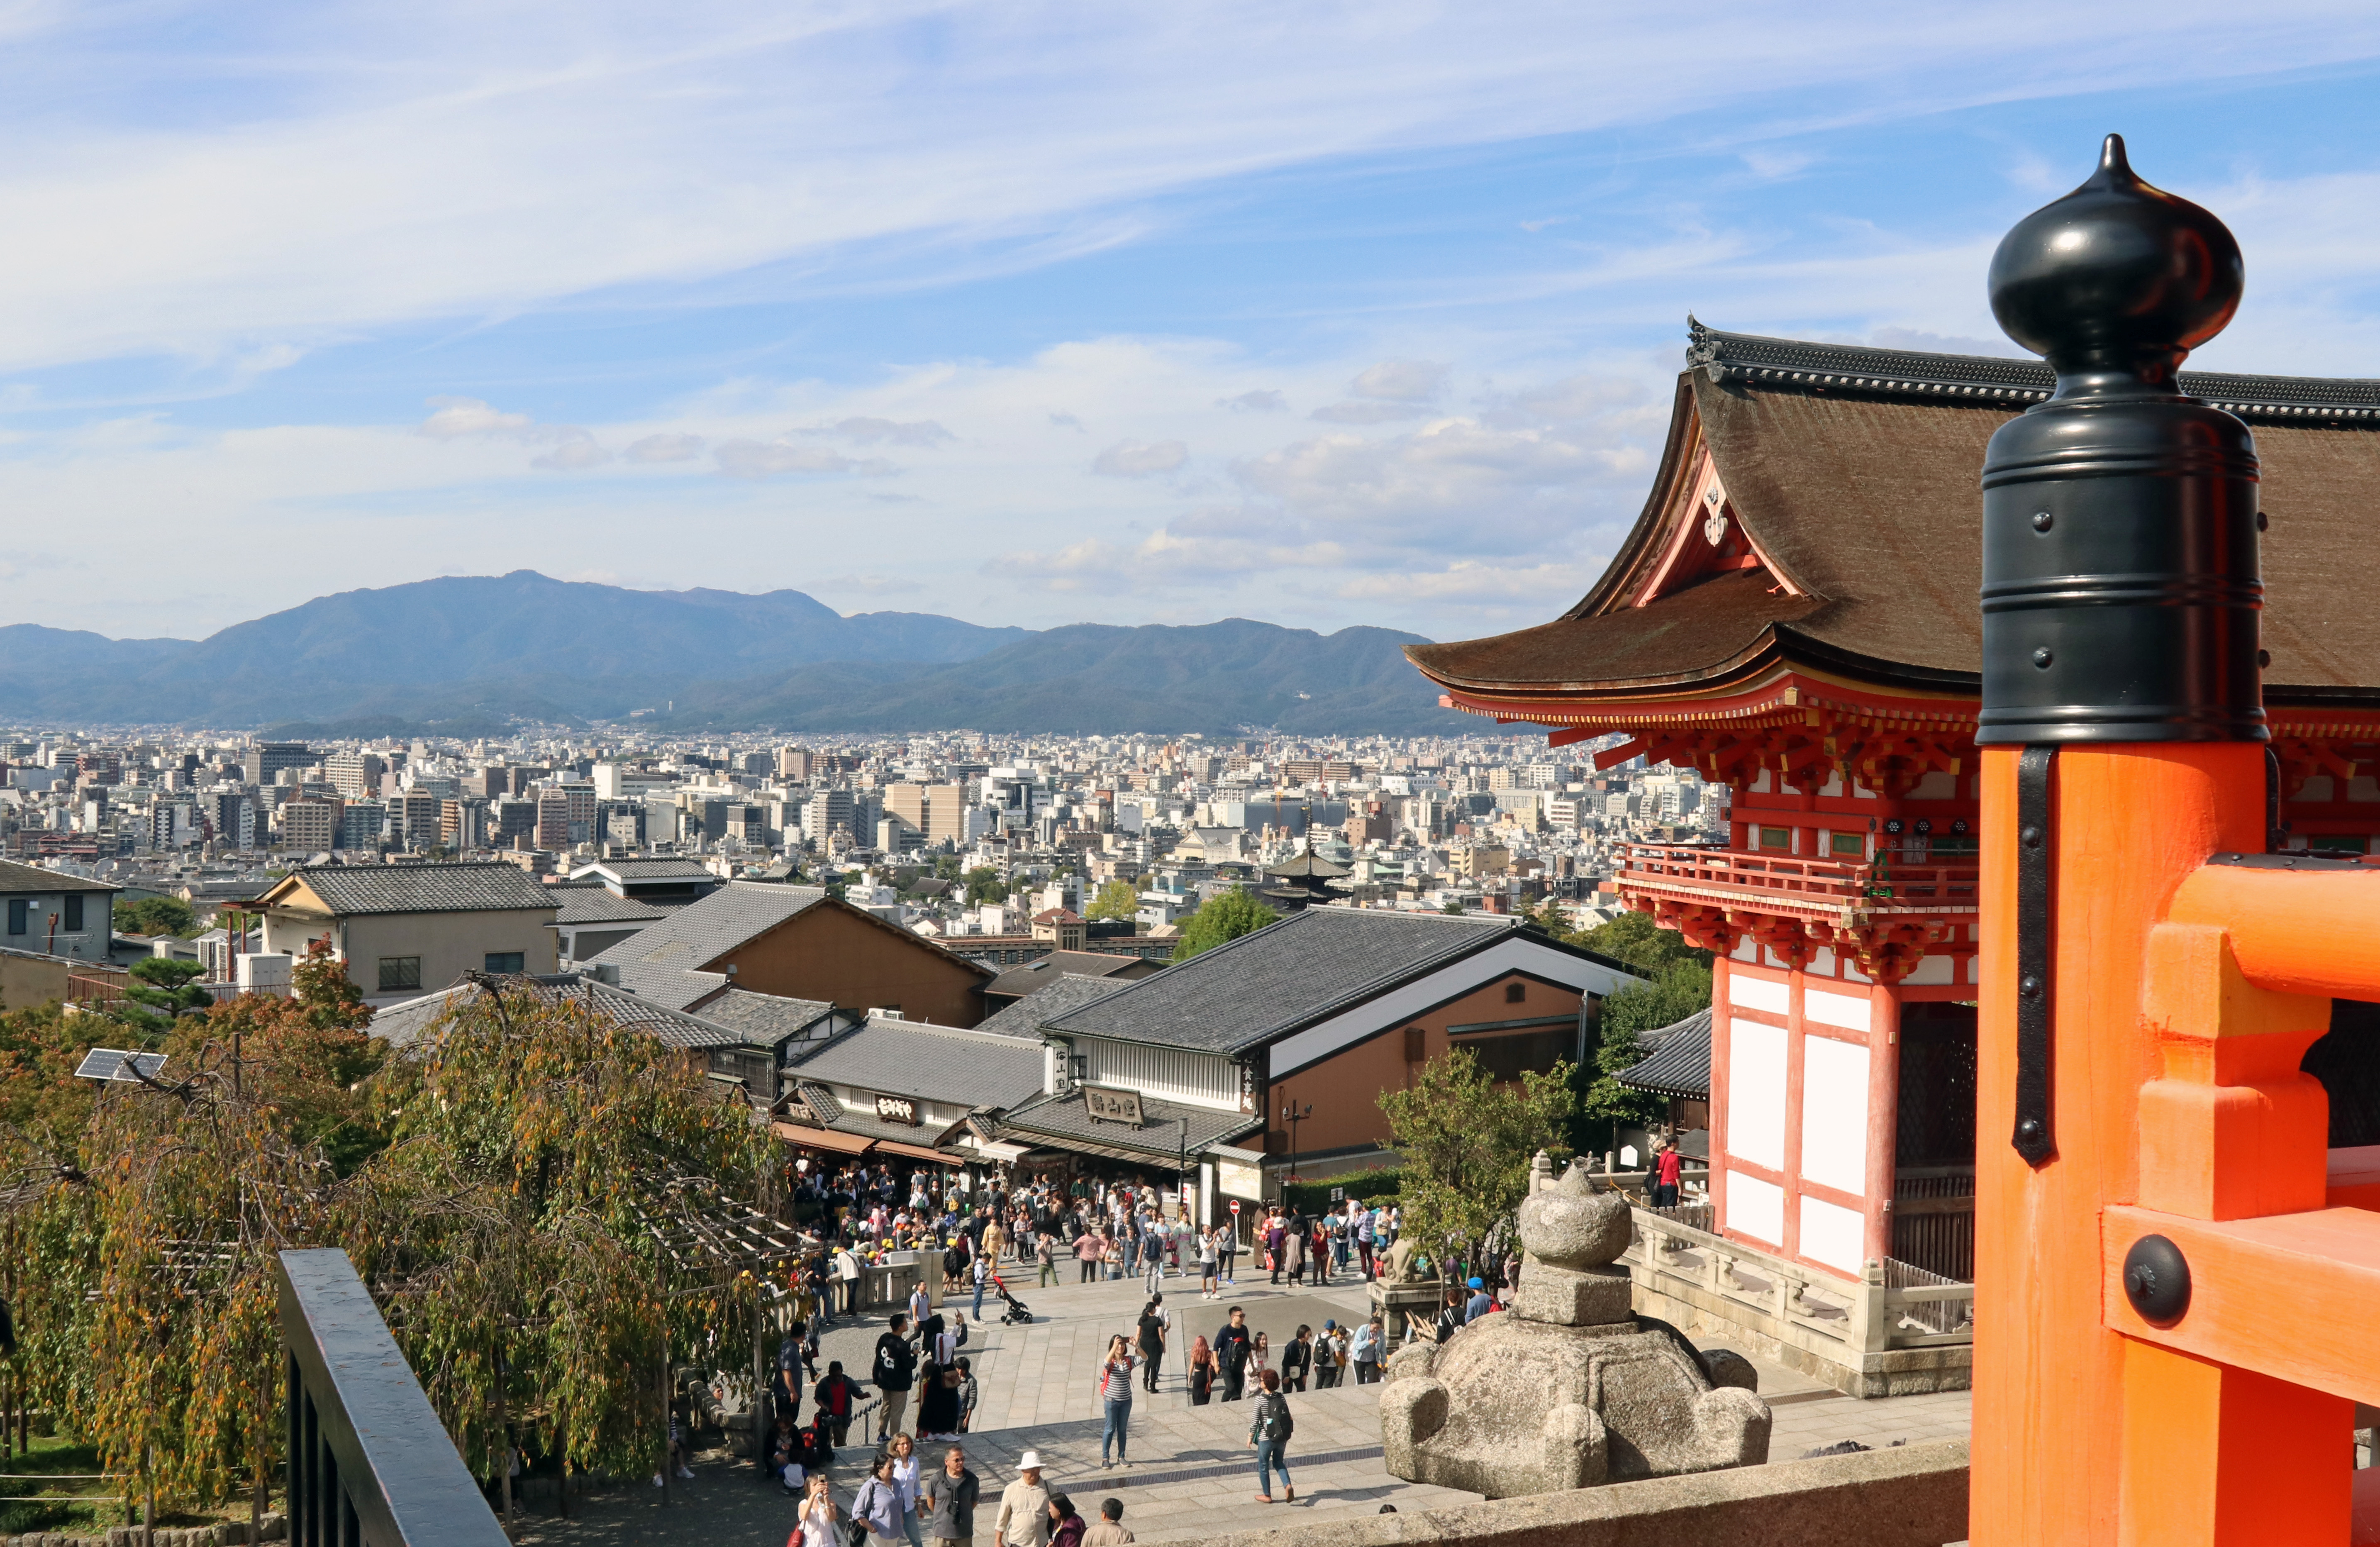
1193	1474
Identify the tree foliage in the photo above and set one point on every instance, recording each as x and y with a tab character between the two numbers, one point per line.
984	885
157	916
1115	900
159	991
1223	917
1467	1141
1635	939
493	1184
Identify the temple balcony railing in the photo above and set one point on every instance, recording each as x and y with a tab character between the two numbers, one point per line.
370	1464
1755	881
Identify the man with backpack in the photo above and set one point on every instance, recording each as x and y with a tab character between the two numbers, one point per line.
1268	1437
897	1367
1231	1345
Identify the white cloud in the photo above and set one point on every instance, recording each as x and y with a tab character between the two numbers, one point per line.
749	458
1465	581
1065	421
1370	413
1140	460
574	453
458	417
1401	381
664	447
1264	400
871	431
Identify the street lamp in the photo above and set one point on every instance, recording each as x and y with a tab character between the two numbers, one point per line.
1291	1117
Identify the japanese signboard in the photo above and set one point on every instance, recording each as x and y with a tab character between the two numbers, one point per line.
1105	1104
897	1109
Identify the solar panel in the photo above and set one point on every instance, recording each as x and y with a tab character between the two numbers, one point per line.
108	1063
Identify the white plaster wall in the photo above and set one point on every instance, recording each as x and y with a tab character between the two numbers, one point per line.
1834	1114
1756	1093
1830	1234
1845	1010
1932	969
1756	1207
1745	992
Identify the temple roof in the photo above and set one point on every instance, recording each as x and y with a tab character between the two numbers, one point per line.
1848	480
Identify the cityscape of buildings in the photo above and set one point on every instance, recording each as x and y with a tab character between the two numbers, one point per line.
950	836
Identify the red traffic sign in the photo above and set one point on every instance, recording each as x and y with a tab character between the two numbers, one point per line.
1235	1205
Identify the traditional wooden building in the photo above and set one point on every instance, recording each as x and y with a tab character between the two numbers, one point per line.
1795	614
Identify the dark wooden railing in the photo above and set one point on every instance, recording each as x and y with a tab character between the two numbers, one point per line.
370	1464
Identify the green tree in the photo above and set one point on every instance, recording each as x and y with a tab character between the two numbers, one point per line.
1115	900
1467	1142
162	990
1451	907
984	886
1635	939
157	916
1674	992
1225	916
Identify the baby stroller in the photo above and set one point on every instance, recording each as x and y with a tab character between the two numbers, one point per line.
1016	1315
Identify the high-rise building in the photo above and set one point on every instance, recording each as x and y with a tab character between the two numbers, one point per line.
234	817
554	820
416	820
310	825
355	774
512	822
463	824
174	824
362	823
795	765
828	809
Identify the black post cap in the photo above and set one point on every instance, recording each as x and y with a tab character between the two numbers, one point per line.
2122	576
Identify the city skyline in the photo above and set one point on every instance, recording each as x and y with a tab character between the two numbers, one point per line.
1030	320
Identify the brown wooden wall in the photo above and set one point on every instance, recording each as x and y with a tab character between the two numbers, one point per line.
828	953
1345	1088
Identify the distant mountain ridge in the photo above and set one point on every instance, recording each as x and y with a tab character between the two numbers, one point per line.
483	651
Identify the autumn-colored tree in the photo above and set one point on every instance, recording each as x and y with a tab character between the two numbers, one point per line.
493	1183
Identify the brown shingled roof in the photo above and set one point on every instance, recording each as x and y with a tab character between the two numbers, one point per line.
1855	471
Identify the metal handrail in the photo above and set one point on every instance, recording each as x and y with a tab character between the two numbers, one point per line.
370	1464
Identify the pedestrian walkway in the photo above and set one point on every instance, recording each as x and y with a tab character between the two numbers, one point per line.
1193	1474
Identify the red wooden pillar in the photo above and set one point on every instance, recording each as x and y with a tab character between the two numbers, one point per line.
1883	1116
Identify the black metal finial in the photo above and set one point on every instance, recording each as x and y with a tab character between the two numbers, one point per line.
2156	1280
2117	277
2120	570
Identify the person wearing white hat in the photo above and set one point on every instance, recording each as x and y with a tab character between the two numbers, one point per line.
1024	1508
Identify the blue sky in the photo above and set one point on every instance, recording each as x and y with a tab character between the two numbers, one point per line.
1033	314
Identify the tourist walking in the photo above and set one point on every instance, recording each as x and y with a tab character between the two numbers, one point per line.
904	1452
1269	1435
1298	1359
1229	1247
1088	1250
876	1505
1065	1527
1232	1347
948	1501
835	1398
1115	1399
1045	1253
1207	1253
1200	1373
1156	1324
1023	1519
1667	1165
1108	1529
1276	1241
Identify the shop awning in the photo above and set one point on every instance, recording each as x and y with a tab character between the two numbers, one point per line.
915	1152
822	1139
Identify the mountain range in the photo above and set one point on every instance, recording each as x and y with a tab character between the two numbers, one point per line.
472	655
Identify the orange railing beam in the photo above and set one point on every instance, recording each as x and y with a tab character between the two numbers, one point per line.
2293	932
2286	1296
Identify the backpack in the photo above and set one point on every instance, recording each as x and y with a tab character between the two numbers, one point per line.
1273	1421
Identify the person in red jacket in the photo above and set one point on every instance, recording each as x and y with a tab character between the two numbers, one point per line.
1666	1163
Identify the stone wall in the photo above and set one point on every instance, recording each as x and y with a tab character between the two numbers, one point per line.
274	1529
1908	1496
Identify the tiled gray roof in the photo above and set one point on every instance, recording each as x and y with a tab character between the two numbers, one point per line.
765	1019
1286	975
1061	1118
933	1063
593	905
33	878
446	888
1678	1063
403	1025
862	1121
1034	976
1071	991
652	870
709	928
670	986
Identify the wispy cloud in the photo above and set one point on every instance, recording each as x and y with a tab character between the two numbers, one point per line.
1140	459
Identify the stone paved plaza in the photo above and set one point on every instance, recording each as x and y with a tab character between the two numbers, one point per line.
1193	1474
